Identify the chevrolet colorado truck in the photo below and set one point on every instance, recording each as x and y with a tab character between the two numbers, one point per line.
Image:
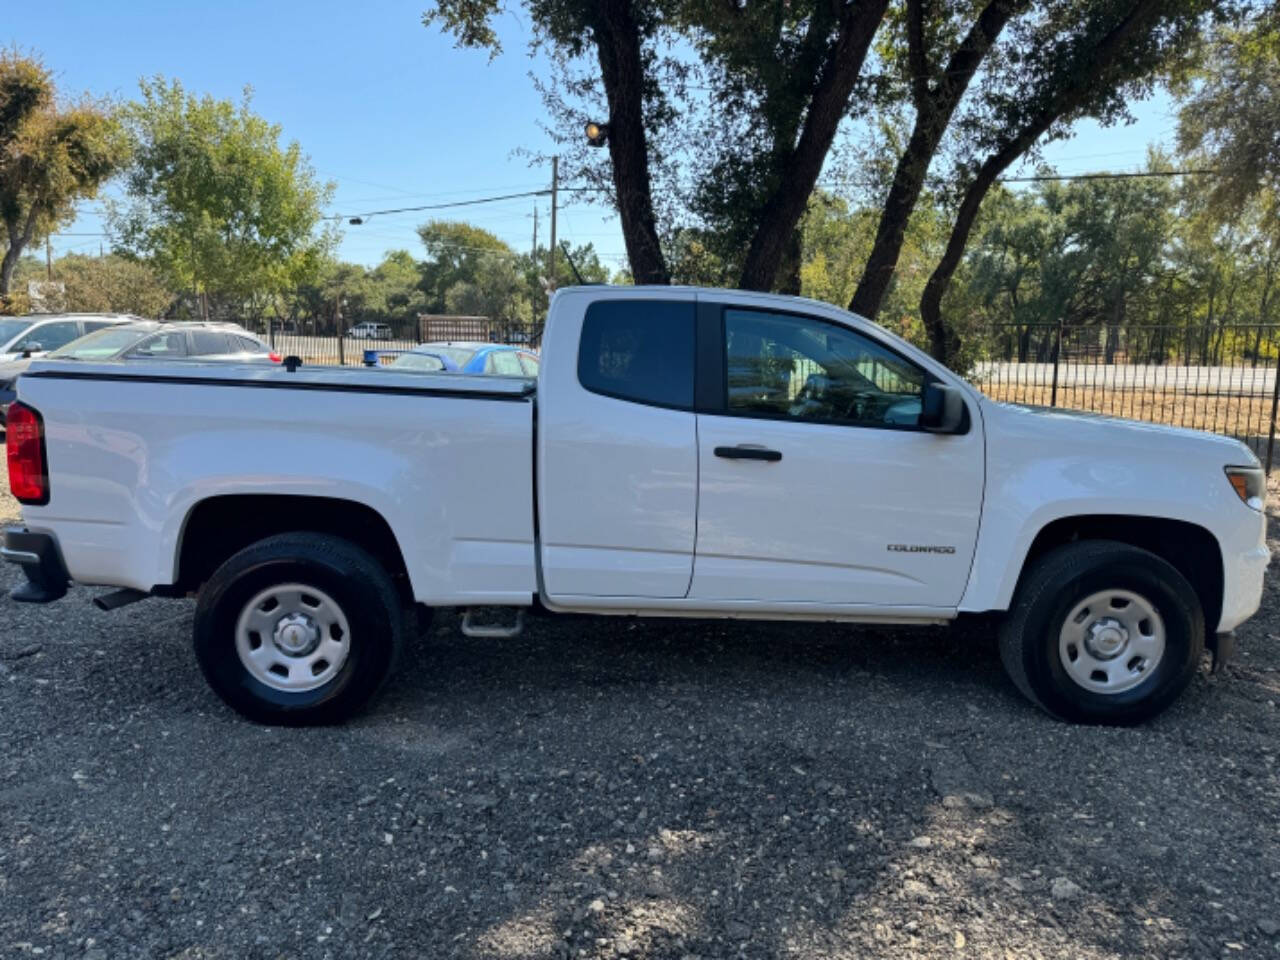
682	453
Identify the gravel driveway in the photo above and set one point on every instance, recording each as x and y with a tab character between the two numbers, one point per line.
626	788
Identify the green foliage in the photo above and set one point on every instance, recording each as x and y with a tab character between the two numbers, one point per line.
1230	116
216	203
50	155
457	253
111	284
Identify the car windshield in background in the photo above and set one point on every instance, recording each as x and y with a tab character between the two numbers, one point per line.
102	345
11	328
457	356
429	362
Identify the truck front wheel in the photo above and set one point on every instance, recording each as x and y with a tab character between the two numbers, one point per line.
1102	632
299	628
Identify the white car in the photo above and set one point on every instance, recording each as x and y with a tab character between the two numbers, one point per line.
370	331
37	334
22	338
691	453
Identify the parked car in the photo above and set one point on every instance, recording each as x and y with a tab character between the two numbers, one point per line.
500	359
370	331
310	509
423	359
152	340
22	338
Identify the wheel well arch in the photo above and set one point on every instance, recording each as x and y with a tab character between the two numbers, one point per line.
220	526
1191	549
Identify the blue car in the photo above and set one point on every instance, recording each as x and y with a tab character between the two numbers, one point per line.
497	359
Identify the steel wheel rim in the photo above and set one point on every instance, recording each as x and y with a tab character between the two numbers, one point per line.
1111	641
292	637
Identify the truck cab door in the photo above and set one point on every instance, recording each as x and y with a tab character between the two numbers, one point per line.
618	446
817	483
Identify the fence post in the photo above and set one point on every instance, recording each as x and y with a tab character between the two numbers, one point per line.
1057	354
1275	400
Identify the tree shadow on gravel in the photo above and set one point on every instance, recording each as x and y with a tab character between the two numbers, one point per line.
737	789
657	788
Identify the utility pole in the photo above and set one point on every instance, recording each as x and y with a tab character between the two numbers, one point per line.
48	259
551	253
534	253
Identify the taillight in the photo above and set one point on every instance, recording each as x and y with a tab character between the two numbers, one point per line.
28	469
275	357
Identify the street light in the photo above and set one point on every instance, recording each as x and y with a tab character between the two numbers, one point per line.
597	133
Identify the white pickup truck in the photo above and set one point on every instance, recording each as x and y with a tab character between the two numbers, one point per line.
683	452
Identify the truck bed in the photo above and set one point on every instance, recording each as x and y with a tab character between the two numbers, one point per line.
133	447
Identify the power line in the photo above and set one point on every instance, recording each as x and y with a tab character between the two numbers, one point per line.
440	206
1111	176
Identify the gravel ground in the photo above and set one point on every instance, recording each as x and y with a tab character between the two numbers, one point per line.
626	788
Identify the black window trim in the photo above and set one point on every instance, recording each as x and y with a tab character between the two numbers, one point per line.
711	366
683	408
723	410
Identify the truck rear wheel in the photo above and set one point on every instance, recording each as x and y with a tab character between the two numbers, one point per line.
1102	632
299	628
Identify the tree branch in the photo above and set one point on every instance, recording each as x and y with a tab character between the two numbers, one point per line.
934	109
798	174
617	35
1066	98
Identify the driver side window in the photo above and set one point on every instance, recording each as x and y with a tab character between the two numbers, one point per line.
792	367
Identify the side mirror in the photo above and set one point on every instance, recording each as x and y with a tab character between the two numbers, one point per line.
30	347
941	408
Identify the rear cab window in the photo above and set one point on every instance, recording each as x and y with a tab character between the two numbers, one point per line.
639	350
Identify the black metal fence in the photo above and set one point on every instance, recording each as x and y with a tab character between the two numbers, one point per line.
1215	377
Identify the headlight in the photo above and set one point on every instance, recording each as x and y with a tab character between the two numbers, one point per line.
1249	483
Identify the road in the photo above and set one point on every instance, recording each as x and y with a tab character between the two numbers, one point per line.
1247	381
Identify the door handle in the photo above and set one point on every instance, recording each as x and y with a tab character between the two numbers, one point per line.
744	452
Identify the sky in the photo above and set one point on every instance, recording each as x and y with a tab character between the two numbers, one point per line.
384	107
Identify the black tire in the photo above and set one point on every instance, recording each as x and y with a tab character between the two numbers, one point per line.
1050	590
351	577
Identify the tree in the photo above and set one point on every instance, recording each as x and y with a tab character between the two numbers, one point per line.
51	156
456	252
1085	59
216	203
111	284
790	69
1230	110
937	87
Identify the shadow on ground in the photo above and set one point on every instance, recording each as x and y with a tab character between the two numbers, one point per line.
626	788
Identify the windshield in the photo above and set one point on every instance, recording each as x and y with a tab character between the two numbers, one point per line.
102	345
11	328
458	356
418	361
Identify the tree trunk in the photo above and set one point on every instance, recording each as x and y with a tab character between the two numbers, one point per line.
7	267
934	109
798	174
789	271
617	36
943	343
18	240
